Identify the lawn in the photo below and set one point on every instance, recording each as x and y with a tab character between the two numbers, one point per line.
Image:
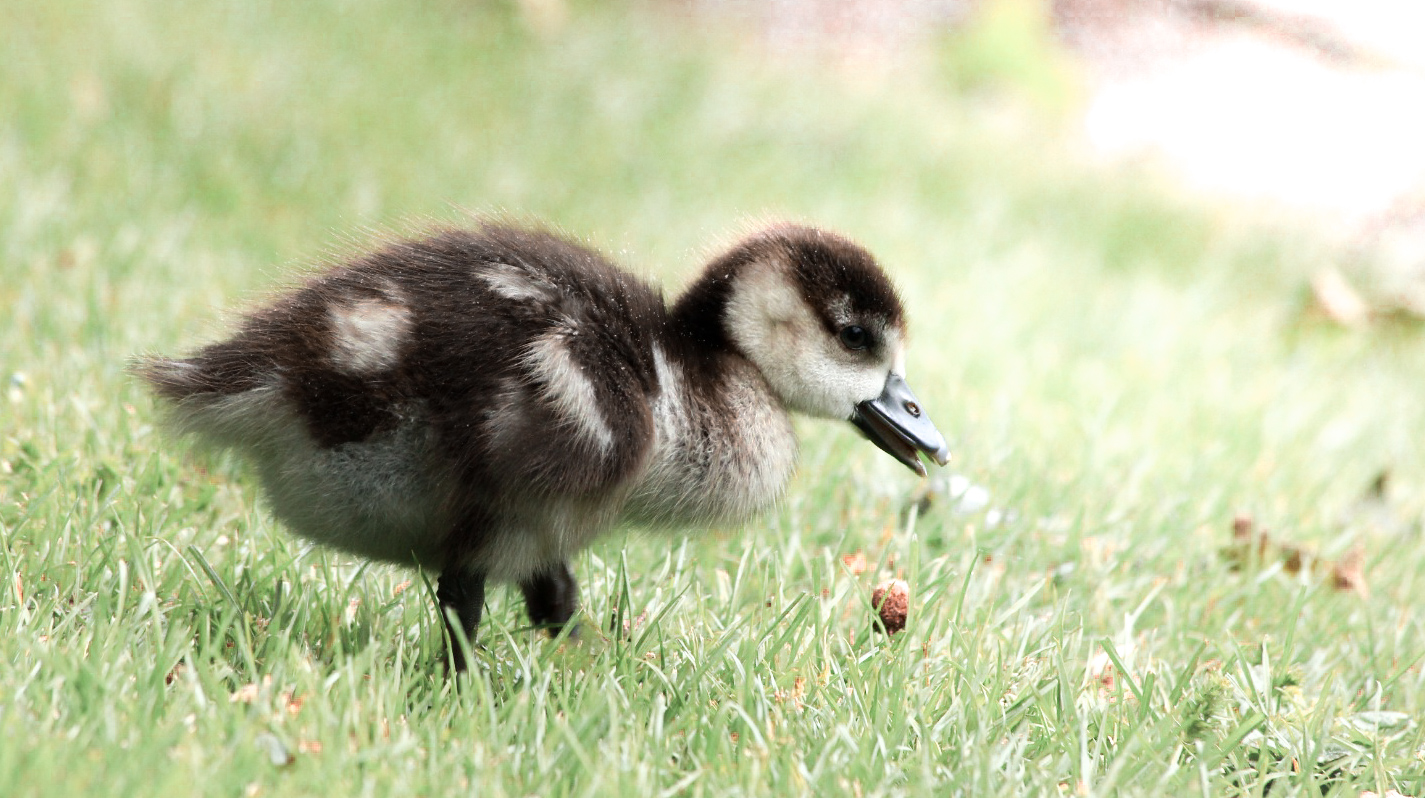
1122	374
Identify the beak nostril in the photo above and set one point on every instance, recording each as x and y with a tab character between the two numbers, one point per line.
913	409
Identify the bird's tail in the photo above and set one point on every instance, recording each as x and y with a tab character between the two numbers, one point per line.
207	401
174	380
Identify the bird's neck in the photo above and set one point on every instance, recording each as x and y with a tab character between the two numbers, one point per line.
697	321
724	445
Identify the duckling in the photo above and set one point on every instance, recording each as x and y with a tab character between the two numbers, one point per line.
484	402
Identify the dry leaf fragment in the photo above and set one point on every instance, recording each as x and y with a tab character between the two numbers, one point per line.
1248	541
1245	533
795	695
1099	669
626	624
1242	526
291	702
632	624
1349	572
1291	559
855	563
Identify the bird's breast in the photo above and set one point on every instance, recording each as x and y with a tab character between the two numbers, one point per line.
722	451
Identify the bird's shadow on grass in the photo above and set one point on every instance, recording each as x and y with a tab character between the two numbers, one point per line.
245	623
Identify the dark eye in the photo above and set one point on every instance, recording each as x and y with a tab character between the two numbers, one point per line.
853	337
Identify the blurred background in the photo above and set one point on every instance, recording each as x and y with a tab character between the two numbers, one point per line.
1114	220
323	120
1164	263
1122	226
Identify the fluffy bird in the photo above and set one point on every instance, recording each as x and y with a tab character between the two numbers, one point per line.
483	403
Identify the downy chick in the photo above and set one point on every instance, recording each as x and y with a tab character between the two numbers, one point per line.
483	403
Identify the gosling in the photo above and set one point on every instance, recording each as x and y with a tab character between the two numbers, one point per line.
483	403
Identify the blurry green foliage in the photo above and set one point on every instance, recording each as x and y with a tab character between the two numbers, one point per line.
1010	45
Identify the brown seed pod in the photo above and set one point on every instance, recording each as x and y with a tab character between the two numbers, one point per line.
891	600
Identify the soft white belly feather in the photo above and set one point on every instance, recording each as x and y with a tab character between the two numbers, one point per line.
376	498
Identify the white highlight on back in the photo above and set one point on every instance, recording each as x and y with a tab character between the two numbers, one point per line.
514	284
567	387
368	335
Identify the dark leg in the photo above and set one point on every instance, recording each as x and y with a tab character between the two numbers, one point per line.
461	592
551	597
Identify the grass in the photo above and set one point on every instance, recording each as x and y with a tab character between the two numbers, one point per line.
1121	371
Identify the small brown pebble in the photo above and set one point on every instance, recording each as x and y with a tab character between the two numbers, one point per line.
891	600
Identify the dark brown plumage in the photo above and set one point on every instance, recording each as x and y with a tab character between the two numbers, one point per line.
484	402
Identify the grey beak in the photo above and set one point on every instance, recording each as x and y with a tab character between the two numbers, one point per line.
895	422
